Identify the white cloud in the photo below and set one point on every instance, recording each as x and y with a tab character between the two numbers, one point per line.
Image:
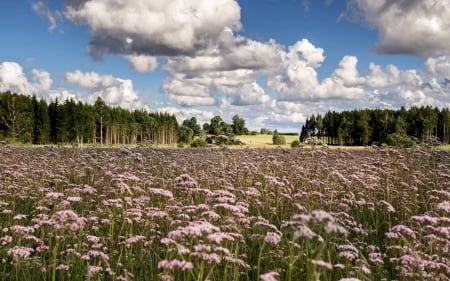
231	68
416	27
348	73
182	114
439	66
12	78
251	94
41	8
142	63
297	79
155	28
115	91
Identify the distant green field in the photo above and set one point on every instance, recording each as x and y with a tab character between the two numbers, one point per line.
264	140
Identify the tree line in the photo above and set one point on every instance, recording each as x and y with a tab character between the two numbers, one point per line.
29	120
376	126
26	119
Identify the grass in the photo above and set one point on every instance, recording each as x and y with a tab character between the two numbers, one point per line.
224	214
260	141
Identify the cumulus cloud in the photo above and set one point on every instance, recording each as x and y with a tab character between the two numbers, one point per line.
230	69
142	63
13	78
251	94
154	28
297	79
414	27
114	91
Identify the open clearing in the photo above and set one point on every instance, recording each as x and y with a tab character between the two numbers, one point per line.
258	141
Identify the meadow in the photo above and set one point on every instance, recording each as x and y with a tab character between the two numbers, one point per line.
264	141
224	214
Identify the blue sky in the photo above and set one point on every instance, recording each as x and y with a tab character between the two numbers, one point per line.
272	62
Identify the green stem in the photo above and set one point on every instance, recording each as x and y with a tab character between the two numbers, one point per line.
54	259
258	267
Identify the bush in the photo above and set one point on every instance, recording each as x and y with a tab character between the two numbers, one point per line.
198	143
180	144
278	140
295	143
400	140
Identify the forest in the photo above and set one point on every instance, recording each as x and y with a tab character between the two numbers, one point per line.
29	120
377	126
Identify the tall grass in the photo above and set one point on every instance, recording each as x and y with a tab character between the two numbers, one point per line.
220	214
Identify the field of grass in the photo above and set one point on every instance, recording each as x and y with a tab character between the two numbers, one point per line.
258	141
224	214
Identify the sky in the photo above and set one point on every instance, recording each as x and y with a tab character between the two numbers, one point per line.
272	62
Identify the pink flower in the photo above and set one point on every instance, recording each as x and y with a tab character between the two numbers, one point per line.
444	206
323	264
94	270
270	276
218	237
63	267
272	238
173	264
69	219
20	252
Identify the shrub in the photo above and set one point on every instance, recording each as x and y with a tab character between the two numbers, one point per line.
295	143
277	139
198	143
400	140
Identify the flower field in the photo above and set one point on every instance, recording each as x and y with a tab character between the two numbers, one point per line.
221	214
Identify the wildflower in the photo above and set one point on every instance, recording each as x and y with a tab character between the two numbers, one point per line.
401	229
218	237
68	218
272	238
376	258
63	267
323	264
20	252
74	199
185	182
173	264
133	240
19	217
270	276
94	270
304	231
389	207
162	192
444	206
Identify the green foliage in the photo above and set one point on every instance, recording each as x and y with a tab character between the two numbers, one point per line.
192	124
373	126
265	131
400	140
25	119
277	139
238	125
295	143
199	142
185	134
